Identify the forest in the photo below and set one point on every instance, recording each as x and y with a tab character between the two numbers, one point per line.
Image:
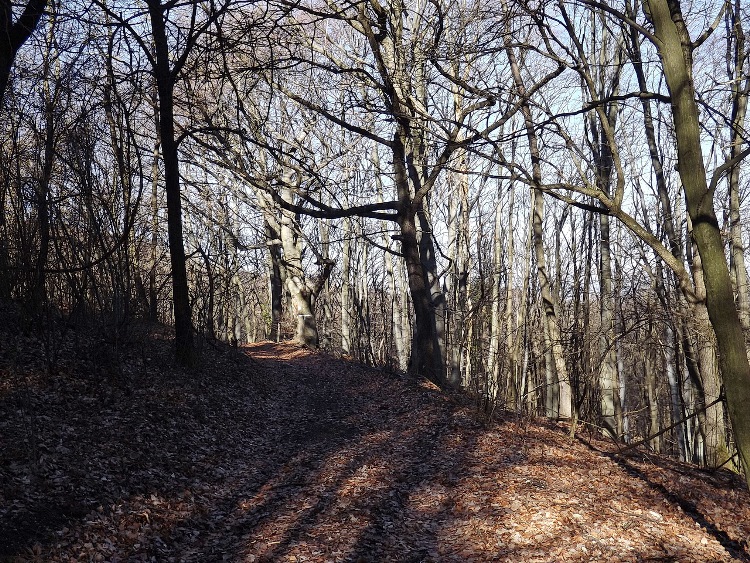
538	204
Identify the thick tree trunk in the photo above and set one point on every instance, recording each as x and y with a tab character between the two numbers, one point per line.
438	305
425	354
708	383
425	358
306	332
302	291
399	317
559	380
675	50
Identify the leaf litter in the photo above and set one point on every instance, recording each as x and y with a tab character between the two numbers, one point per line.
280	453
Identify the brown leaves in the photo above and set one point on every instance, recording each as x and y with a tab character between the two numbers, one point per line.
297	456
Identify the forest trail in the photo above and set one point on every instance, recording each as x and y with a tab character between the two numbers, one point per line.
292	455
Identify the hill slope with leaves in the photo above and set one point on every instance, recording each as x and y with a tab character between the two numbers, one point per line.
283	454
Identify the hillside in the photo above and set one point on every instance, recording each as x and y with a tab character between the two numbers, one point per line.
283	454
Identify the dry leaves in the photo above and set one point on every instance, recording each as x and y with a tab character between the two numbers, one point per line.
297	456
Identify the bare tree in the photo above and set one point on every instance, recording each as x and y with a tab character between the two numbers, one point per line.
13	34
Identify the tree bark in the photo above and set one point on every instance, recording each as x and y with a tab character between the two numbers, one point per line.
493	356
740	92
165	80
346	289
675	50
14	34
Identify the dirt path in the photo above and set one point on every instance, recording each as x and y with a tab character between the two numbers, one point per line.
295	456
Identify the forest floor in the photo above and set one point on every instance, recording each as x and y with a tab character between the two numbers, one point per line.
284	454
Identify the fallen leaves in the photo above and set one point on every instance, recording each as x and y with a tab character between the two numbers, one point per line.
296	456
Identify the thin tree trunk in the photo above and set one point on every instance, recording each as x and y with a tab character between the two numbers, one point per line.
609	385
493	356
185	350
740	91
519	375
562	385
402	316
459	272
649	369
42	185
275	281
346	290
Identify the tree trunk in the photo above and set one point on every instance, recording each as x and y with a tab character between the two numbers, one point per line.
425	358
609	385
402	316
185	350
14	34
275	281
493	356
740	91
712	426
649	369
425	355
306	332
459	271
42	186
562	385
438	305
346	289
675	50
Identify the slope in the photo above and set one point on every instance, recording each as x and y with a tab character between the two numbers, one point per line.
284	454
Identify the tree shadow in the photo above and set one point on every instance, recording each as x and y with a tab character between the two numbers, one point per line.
738	550
290	454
